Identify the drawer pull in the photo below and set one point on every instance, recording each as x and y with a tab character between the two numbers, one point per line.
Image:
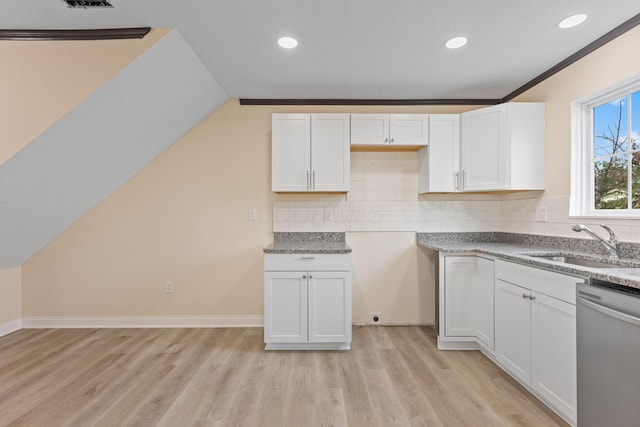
307	258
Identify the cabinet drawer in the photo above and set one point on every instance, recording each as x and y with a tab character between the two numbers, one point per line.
556	285
307	262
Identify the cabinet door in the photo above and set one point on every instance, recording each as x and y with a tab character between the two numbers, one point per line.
483	149
330	152
554	352
513	329
290	152
409	129
329	306
369	129
440	161
460	293
285	307
485	322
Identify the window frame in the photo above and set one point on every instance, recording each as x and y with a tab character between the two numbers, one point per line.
581	201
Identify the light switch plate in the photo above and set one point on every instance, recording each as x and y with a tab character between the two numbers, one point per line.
253	214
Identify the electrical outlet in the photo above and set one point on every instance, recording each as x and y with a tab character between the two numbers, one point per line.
168	287
329	214
541	214
376	317
253	214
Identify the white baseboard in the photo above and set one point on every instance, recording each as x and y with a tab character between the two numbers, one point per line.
11	327
143	322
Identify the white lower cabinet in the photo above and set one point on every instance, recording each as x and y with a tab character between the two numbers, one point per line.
468	298
553	368
522	317
485	323
513	329
285	307
536	332
460	296
307	309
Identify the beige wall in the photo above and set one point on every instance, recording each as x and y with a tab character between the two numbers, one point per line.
184	218
45	79
614	62
10	295
391	276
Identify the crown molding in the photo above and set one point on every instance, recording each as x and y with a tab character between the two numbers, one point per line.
85	34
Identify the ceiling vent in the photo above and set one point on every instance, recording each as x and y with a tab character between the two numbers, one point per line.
87	4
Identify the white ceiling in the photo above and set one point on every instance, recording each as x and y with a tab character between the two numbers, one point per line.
389	49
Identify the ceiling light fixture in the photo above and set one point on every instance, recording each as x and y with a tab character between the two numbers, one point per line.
456	42
572	21
287	42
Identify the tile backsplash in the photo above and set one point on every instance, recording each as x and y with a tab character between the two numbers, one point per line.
384	197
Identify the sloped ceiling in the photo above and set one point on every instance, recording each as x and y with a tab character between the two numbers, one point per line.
41	81
92	150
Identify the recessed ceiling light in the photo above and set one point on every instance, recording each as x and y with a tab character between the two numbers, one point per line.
456	42
572	21
287	42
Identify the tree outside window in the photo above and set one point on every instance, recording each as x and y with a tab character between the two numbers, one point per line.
616	153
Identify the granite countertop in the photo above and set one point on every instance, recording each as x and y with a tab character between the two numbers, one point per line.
308	243
522	248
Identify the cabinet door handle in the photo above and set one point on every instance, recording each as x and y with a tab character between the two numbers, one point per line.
313	180
386	140
310	277
525	296
307	258
392	140
464	173
531	297
304	276
456	180
307	179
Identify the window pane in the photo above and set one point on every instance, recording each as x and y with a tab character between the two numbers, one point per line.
635	120
635	184
611	183
610	125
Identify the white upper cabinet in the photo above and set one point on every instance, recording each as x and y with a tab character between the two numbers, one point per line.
502	147
401	130
491	149
330	153
310	152
290	152
440	161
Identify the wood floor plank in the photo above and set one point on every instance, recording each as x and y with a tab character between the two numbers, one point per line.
224	377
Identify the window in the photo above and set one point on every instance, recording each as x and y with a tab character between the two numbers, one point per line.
605	179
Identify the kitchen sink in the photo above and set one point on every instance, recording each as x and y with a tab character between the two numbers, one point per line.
582	262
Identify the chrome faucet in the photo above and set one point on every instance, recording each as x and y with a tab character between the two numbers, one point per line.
613	245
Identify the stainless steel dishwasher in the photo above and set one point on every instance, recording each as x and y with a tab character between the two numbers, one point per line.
608	350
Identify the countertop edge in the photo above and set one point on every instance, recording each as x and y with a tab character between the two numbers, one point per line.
268	250
522	255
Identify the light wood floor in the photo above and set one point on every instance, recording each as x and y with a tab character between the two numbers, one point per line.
223	377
